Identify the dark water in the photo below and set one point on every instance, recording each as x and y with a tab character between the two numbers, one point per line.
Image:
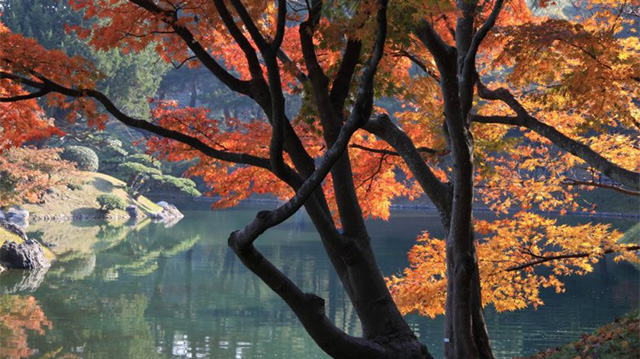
121	292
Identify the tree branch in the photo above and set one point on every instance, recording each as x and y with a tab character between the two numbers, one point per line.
469	62
439	49
628	178
169	17
241	40
421	65
255	33
49	86
438	192
360	114
310	310
426	150
543	259
280	25
342	81
572	182
29	96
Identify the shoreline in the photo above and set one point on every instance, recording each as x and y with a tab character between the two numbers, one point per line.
414	206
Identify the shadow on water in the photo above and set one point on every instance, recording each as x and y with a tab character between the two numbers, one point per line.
181	293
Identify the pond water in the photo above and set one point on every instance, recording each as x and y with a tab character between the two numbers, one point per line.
122	292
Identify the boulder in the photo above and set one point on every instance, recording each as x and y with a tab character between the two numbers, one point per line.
169	211
163	204
18	216
133	211
26	255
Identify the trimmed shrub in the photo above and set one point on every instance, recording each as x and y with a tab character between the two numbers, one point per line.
175	184
84	158
144	160
109	202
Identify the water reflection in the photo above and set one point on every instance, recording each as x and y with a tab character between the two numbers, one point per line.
18	316
146	291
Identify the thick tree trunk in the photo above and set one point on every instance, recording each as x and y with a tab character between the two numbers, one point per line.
382	322
466	334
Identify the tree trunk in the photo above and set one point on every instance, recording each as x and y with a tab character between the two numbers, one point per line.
466	335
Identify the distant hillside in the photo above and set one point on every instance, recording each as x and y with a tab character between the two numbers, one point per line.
80	203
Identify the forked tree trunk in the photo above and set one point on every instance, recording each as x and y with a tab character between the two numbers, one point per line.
382	323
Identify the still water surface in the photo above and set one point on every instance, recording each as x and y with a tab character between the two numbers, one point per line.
121	292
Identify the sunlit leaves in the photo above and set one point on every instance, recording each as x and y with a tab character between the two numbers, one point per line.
517	258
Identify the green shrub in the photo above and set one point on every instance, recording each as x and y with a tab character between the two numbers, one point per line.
170	183
84	157
144	160
74	186
109	202
133	169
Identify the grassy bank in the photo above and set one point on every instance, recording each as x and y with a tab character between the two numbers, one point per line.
617	340
80	202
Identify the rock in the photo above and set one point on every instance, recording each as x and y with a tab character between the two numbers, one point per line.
26	255
18	216
13	228
2	217
163	204
133	211
169	211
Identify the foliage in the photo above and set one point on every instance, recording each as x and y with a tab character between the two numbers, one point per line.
110	202
171	184
145	160
84	158
127	78
617	340
528	241
142	173
22	121
498	106
26	173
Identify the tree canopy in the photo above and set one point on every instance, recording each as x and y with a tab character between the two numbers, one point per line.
495	104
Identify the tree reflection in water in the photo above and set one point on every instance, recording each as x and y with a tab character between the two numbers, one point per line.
18	316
